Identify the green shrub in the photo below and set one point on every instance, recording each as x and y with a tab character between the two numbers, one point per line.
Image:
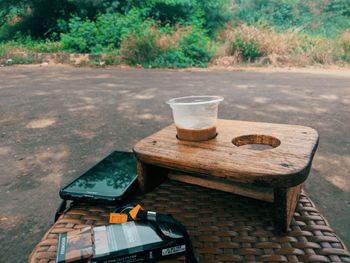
214	13
247	48
152	46
171	58
196	46
43	18
315	17
109	61
345	45
46	47
103	35
81	36
41	46
107	31
7	47
140	46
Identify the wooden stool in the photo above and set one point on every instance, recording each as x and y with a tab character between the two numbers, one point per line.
224	163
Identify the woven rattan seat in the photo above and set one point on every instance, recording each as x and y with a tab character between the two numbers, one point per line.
224	227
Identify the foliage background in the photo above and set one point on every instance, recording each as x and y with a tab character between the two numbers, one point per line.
181	33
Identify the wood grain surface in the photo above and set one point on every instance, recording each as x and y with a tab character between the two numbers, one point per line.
285	201
286	165
256	192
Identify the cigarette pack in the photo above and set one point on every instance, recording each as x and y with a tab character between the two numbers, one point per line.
75	246
121	243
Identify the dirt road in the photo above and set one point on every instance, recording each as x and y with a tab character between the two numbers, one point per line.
57	121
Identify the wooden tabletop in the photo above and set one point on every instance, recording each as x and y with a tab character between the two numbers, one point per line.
286	165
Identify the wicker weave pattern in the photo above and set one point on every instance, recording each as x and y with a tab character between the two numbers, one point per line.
223	227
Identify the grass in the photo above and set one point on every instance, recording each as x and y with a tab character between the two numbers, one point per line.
179	33
28	45
22	51
187	46
345	44
244	43
19	60
181	47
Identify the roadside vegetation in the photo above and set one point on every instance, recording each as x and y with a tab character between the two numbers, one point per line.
179	33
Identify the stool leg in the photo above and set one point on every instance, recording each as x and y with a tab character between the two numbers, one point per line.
150	176
285	202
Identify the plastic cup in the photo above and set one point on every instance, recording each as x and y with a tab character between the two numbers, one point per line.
195	117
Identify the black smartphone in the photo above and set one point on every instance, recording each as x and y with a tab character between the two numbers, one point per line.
106	182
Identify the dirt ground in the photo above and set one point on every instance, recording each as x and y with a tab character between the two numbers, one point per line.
56	121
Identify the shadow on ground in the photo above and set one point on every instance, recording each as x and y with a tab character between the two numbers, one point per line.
56	122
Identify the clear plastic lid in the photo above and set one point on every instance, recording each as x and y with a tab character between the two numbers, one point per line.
195	100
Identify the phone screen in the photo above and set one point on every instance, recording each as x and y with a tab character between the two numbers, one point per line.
109	178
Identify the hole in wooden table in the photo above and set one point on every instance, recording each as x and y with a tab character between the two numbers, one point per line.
256	142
